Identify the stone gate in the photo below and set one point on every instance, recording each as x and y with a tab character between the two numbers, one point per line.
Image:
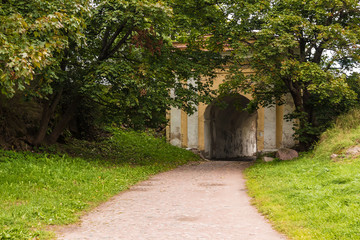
225	133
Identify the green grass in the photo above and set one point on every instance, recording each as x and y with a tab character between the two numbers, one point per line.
313	197
42	189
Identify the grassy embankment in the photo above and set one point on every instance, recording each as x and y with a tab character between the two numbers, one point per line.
39	189
314	197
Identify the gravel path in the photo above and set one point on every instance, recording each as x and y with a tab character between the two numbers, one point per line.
198	201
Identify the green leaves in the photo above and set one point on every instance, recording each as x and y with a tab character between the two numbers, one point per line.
302	47
32	37
127	64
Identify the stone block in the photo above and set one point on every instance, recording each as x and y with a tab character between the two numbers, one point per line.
286	154
268	159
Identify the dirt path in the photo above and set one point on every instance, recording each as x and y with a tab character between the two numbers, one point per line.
202	201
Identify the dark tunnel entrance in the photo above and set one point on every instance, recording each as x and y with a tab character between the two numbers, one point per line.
230	132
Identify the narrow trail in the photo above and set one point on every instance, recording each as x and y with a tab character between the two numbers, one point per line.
198	201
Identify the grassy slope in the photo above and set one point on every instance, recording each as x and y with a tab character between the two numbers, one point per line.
314	197
46	189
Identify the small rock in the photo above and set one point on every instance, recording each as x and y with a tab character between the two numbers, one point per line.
286	154
333	156
268	159
197	152
353	150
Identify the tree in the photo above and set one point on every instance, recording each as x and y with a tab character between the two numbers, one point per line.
304	48
33	37
110	54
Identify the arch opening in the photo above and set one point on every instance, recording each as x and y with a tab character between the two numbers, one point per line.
230	132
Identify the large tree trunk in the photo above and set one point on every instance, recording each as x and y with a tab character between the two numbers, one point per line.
48	111
301	98
64	121
309	108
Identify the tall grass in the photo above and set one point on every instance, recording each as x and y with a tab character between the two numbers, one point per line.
344	133
42	189
314	197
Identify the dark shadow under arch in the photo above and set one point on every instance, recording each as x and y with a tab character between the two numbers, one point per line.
230	132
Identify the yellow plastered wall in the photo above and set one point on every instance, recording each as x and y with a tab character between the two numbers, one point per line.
279	125
184	129
221	76
202	107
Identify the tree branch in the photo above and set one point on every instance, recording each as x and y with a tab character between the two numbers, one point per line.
318	53
105	39
105	49
302	46
120	43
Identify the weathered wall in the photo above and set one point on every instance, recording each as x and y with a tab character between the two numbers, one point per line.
230	133
193	130
270	128
193	126
287	130
174	115
175	127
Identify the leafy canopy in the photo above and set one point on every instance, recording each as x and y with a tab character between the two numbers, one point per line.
33	36
113	59
305	48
